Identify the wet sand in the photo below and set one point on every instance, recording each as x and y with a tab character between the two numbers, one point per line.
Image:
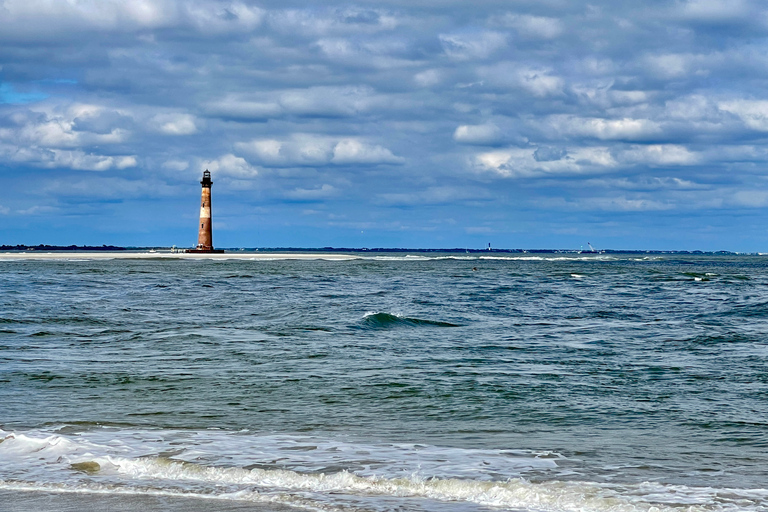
45	501
128	255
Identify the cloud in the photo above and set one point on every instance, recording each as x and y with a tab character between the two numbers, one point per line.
537	81
230	165
522	163
36	210
327	101
332	21
428	78
353	151
659	154
435	195
714	11
466	46
345	101
50	158
41	20
750	198
241	108
684	66
74	127
606	129
312	194
176	165
174	124
99	187
529	26
483	134
753	113
299	150
549	154
625	204
311	150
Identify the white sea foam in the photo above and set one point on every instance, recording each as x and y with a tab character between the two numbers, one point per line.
327	474
487	257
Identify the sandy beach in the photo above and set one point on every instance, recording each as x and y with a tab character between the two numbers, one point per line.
145	255
46	501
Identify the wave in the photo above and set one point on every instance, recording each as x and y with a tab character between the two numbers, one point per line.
206	464
380	320
526	257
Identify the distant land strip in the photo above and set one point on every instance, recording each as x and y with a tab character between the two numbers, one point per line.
476	251
43	247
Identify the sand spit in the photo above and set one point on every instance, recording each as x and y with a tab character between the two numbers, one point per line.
145	255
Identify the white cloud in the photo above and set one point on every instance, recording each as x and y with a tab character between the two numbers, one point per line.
221	18
522	163
435	195
713	10
312	150
99	186
319	101
753	113
683	65
472	46
428	78
625	204
527	163
231	166
669	65
174	124
750	198
36	210
310	194
329	101
79	160
102	14
482	134
659	154
353	151
539	82
176	165
531	27
323	22
299	150
237	107
61	128
51	20
645	183
605	129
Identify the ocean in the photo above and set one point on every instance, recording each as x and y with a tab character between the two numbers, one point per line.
397	382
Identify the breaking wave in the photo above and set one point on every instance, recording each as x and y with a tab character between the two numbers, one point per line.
380	320
109	461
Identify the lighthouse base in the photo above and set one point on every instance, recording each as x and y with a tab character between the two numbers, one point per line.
205	251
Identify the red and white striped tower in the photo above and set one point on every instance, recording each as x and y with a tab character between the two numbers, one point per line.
205	233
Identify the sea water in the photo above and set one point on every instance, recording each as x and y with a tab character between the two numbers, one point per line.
406	382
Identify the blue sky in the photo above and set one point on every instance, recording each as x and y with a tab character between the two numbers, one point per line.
546	124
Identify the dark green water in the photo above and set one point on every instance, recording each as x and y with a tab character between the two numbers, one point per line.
580	380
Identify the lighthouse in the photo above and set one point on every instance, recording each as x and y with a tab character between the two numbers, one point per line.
205	231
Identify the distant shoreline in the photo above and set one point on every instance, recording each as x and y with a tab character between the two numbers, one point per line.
33	249
167	255
328	256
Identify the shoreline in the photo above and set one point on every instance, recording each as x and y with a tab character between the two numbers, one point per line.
50	500
146	255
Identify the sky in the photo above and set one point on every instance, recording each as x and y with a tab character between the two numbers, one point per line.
419	124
